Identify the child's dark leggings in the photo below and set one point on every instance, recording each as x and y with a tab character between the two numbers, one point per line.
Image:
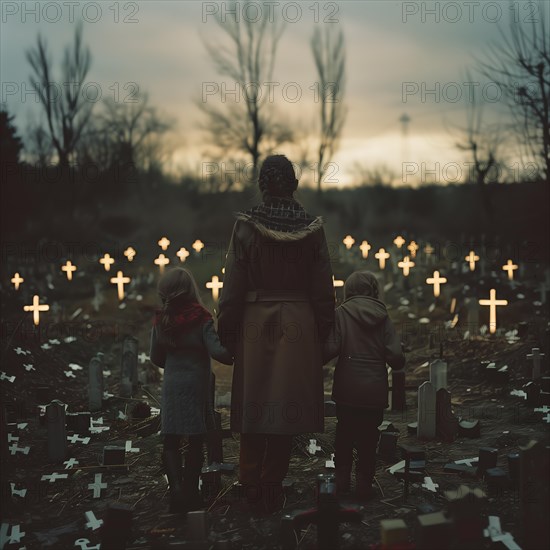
193	450
357	427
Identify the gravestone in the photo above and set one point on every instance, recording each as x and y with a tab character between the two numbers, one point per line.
534	494
197	529
129	366
117	526
434	531
532	392
438	374
426	411
465	507
393	532
536	357
446	422
513	468
78	422
496	480
114	455
488	457
95	384
472	305
57	432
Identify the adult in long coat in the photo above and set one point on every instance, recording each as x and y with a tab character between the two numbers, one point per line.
275	311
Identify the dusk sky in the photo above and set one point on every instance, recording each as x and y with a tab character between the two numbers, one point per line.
387	43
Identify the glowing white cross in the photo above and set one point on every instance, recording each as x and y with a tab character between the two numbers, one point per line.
215	286
364	248
130	253
472	258
510	267
349	241
161	261
17	280
492	302
412	248
182	254
107	261
69	268
120	281
197	246
164	243
399	241
36	308
437	281
406	265
382	256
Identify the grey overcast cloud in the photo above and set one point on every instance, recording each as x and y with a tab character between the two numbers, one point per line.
402	57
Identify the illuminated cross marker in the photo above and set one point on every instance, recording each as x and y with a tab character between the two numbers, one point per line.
120	281
36	308
365	247
510	267
164	243
349	241
107	262
336	283
472	258
130	253
492	302
69	268
406	265
412	248
197	246
162	261
399	241
437	281
17	280
382	256
215	286
182	254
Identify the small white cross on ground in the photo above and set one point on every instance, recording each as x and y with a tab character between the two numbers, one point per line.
84	544
17	492
313	447
15	449
430	485
15	535
28	367
4	376
75	366
97	485
69	374
544	409
546	418
20	351
76	438
121	416
130	449
70	463
143	357
467	461
92	522
12	438
54	477
330	463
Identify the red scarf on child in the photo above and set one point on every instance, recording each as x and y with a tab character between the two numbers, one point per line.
190	314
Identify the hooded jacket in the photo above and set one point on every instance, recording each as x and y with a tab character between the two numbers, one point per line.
364	339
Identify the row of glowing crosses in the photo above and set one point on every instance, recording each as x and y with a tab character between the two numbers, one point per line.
413	248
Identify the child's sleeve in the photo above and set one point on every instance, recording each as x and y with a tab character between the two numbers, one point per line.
394	354
331	346
157	352
213	344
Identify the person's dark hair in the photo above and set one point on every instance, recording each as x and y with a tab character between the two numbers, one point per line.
277	178
177	288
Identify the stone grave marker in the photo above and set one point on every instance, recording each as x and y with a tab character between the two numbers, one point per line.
426	411
57	432
95	384
438	374
434	531
446	422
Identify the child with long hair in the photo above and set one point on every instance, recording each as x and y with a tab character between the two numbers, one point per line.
183	339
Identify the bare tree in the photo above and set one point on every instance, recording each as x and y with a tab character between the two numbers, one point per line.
66	108
247	123
480	140
329	53
520	65
39	144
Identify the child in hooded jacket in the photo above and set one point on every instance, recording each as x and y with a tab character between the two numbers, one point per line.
183	339
364	339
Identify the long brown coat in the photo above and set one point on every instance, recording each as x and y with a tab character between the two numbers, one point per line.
276	309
